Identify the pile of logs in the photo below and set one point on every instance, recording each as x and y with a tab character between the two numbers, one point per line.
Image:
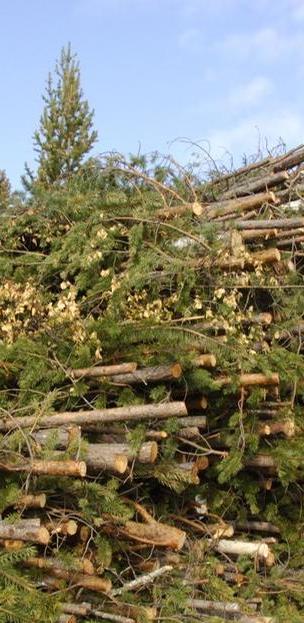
252	212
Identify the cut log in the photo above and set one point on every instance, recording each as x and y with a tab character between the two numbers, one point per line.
256	526
115	456
250	380
254	234
176	211
153	374
141	581
256	185
48	468
52	564
67	618
289	161
96	371
279	223
65	528
86	609
257	550
90	582
262	461
197	403
27	533
267	256
99	416
286	428
224	208
31	501
224	608
153	532
205	361
62	437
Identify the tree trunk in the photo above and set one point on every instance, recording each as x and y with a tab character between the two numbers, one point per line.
256	185
154	374
250	380
48	468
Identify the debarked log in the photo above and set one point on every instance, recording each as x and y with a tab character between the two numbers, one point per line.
267	256
31	501
99	416
115	456
258	550
48	468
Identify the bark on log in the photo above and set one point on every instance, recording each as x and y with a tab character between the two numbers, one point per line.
86	609
66	528
176	211
224	208
256	185
31	501
27	533
205	361
143	580
67	618
280	223
256	526
224	608
97	371
90	582
52	564
99	416
153	532
289	161
62	437
197	404
286	428
253	234
48	468
267	256
262	461
250	380
153	374
115	456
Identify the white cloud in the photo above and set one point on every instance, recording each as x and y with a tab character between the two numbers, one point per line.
248	134
251	93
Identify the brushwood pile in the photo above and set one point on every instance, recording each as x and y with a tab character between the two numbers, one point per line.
151	396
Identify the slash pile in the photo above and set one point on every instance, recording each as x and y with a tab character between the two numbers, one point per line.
151	397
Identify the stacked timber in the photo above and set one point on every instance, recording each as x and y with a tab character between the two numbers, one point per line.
152	445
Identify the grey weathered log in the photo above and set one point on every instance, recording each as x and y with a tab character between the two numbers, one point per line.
153	374
86	419
281	223
86	609
32	533
289	161
242	204
255	185
256	526
97	371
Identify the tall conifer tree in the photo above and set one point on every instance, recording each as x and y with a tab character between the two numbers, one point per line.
65	133
5	190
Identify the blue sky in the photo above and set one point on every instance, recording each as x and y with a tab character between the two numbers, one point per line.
225	73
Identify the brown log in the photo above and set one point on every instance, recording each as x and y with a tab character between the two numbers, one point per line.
256	185
265	234
156	435
31	501
190	432
223	208
48	468
262	461
223	608
99	416
52	564
90	582
11	545
153	374
267	256
280	223
250	380
176	211
153	532
286	428
67	527
197	403
290	242
97	371
67	618
193	420
205	361
27	533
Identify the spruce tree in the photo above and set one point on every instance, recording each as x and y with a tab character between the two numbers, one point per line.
5	190
65	133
